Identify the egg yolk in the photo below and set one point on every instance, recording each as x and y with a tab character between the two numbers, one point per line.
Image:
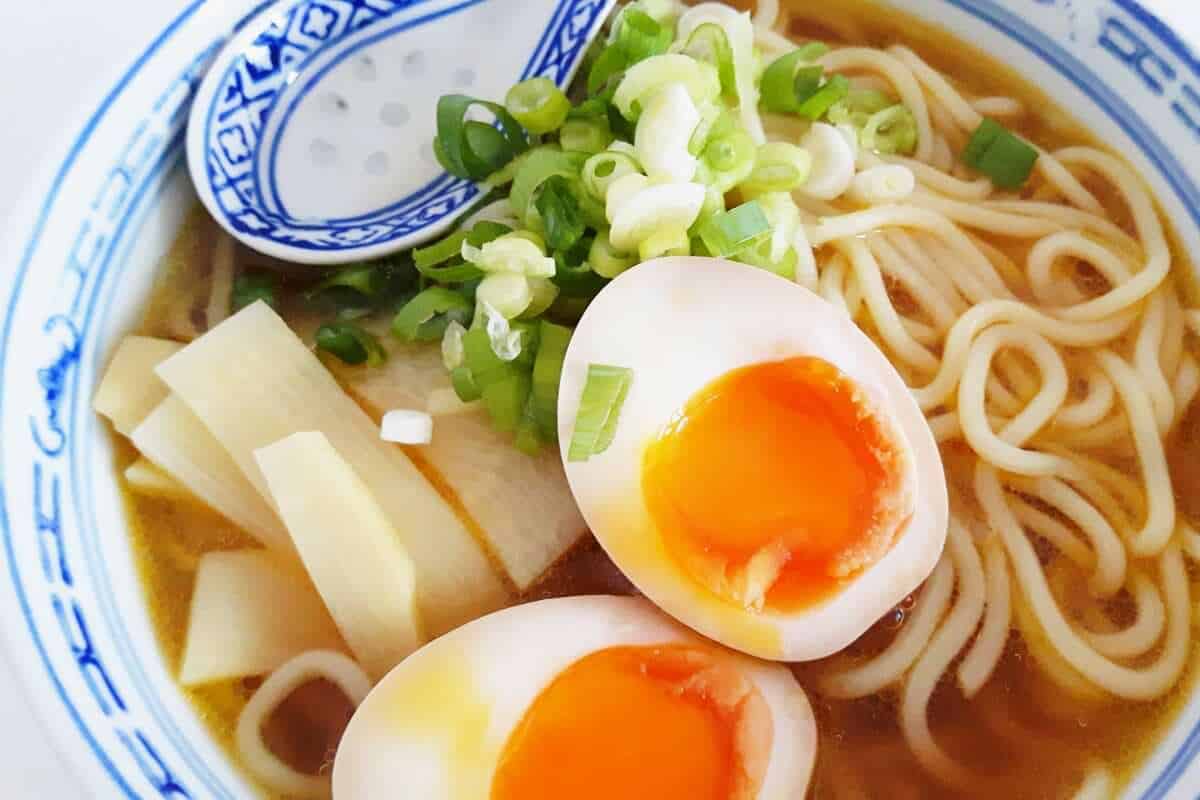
777	483
668	723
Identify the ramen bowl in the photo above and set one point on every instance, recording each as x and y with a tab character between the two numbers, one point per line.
80	257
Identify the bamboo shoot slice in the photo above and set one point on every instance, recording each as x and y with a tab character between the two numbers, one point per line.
129	389
145	477
253	382
250	613
177	441
521	503
351	550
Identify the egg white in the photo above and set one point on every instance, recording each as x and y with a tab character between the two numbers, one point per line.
680	323
434	728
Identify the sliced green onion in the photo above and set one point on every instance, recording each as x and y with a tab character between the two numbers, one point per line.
485	365
666	241
542	294
729	233
585	135
521	252
819	102
857	107
538	104
475	150
893	130
425	317
439	252
529	438
760	256
559	210
363	279
729	160
452	346
458	272
777	87
1000	154
709	43
592	108
464	384
537	166
427	258
602	169
573	273
351	344
250	287
605	260
604	394
485	231
525	333
779	167
505	400
988	132
729	152
643	79
640	36
611	63
507	292
547	373
807	82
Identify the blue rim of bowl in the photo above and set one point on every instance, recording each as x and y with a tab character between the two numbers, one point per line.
153	767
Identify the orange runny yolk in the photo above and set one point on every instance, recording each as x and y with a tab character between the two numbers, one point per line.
776	483
660	723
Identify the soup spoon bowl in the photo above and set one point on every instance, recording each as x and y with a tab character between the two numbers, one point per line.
311	136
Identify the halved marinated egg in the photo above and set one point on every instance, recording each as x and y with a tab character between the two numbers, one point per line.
588	698
770	480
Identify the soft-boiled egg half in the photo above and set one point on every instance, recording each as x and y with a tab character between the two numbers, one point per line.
587	698
770	480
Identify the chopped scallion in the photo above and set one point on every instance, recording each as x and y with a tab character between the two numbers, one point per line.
250	287
505	400
439	252
857	107
1000	154
604	259
351	344
485	365
425	317
538	104
585	135
474	150
666	241
536	167
464	384
602	169
779	167
778	84
729	233
547	372
604	394
819	102
709	43
529	438
507	292
892	130
640	36
559	210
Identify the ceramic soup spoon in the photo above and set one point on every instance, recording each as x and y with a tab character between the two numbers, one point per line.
311	135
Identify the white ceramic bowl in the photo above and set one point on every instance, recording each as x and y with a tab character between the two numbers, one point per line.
84	252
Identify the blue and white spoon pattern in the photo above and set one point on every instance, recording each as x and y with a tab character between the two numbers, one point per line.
311	136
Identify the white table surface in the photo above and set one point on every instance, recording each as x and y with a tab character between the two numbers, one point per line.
90	43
